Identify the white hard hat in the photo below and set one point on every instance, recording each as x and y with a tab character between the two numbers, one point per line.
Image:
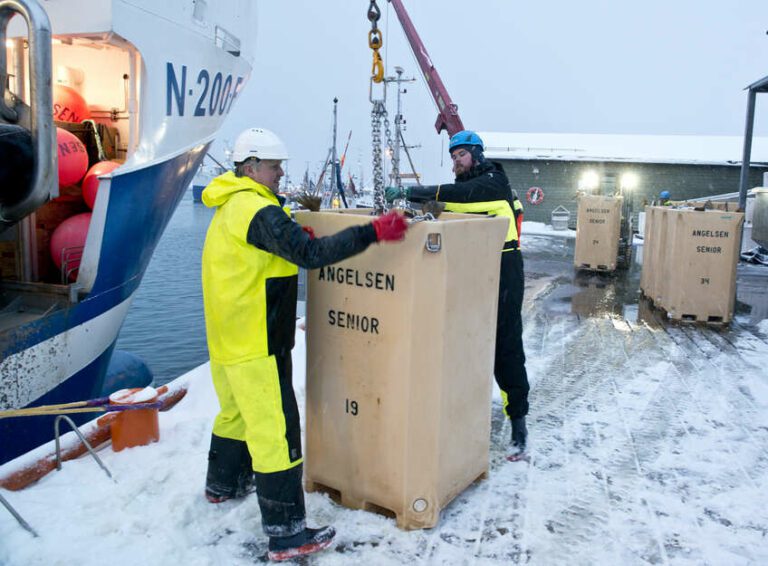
259	143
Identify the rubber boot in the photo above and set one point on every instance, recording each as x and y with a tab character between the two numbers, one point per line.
230	473
306	542
519	434
281	501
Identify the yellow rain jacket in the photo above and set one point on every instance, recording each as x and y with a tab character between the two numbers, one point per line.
248	293
250	276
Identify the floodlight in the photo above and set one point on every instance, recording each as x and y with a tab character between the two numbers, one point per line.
629	182
589	181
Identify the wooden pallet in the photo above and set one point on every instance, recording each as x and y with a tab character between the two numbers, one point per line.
700	318
708	319
645	296
589	267
350	501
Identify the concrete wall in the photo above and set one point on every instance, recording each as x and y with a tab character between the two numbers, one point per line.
559	180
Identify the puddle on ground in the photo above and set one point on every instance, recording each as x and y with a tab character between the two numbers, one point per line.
752	293
617	294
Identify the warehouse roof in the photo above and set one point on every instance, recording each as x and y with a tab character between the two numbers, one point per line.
698	150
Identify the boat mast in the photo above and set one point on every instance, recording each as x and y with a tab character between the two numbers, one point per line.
394	174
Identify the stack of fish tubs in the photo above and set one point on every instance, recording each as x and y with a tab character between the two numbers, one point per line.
689	262
598	228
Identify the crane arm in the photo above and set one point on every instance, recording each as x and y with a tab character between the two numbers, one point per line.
448	113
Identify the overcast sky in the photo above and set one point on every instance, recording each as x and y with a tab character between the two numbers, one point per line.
595	66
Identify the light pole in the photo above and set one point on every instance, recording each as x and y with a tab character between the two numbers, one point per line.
628	183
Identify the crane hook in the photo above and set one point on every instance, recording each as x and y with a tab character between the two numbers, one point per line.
374	13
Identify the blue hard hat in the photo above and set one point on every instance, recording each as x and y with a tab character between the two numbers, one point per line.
664	194
465	137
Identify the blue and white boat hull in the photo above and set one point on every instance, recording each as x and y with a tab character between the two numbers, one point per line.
176	92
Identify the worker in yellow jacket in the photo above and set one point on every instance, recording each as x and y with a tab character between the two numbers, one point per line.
252	253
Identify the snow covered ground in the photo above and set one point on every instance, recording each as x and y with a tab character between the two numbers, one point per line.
541	229
649	445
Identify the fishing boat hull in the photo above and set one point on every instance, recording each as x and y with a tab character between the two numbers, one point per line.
57	337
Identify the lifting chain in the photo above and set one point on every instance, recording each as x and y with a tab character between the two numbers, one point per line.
375	42
377	113
379	110
395	172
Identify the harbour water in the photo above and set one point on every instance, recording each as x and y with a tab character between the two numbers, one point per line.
165	324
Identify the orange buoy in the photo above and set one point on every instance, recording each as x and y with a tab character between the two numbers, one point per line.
91	180
73	158
137	427
67	242
69	105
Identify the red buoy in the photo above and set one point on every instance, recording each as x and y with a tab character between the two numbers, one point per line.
68	105
73	158
67	242
91	180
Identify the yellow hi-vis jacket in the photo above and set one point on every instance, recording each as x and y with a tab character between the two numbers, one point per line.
494	208
248	293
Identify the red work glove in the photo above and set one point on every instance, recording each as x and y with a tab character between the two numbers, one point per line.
390	227
310	231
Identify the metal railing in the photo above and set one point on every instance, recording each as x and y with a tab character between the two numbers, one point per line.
16	516
87	444
38	117
70	262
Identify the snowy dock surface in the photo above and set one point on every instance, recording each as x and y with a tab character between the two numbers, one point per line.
648	445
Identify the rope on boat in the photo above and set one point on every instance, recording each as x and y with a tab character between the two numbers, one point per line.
99	405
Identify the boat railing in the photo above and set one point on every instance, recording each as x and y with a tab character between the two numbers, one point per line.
57	432
70	262
17	516
38	116
73	426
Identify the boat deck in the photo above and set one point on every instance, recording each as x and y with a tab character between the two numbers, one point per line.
21	303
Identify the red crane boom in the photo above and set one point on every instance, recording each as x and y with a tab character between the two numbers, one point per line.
448	113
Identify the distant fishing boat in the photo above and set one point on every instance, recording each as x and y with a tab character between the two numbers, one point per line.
205	174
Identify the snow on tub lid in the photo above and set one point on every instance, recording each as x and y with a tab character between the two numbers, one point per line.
135	395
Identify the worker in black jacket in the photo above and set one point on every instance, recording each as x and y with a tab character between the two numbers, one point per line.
251	259
482	187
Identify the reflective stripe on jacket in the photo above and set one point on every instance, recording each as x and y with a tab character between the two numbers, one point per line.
494	208
483	190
